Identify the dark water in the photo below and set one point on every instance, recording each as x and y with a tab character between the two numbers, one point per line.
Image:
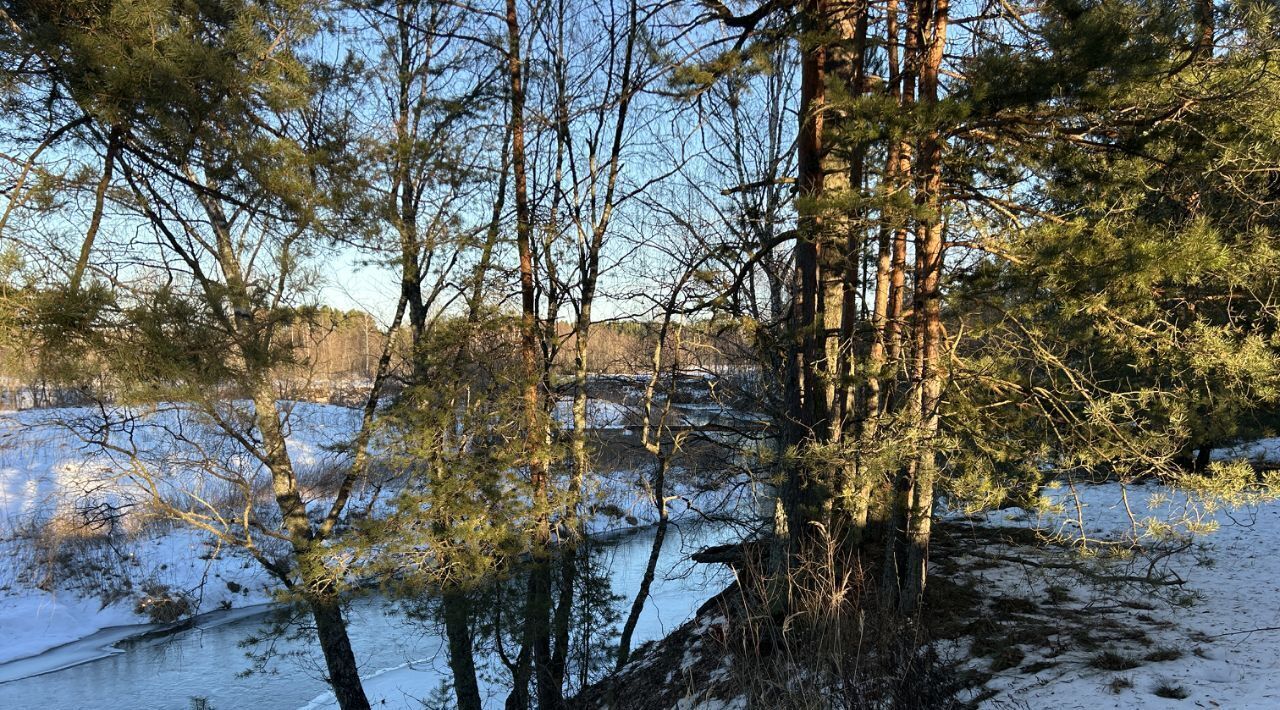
207	661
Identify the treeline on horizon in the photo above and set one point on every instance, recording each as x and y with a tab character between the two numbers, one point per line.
335	354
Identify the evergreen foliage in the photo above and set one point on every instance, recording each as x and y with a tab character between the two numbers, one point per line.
966	260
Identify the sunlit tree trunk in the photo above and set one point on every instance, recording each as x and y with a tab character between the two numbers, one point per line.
536	644
928	312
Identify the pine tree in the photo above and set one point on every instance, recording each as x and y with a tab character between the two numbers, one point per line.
215	148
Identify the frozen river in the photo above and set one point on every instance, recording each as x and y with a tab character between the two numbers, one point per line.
404	658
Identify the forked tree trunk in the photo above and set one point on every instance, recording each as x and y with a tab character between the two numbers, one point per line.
651	433
650	568
522	669
466	690
331	627
317	587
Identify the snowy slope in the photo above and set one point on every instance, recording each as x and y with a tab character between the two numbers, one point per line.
49	474
1223	623
47	471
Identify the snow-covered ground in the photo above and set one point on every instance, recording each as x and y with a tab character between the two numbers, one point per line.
1214	639
59	585
601	414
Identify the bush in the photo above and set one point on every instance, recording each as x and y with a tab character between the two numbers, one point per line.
55	553
163	605
1171	691
1112	661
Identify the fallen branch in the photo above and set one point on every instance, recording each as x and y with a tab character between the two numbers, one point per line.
1168	580
1246	631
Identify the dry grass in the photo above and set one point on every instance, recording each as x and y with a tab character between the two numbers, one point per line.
1113	661
60	557
832	647
1171	691
1163	654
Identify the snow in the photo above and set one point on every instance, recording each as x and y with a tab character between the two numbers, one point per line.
36	622
1260	450
1232	587
47	467
1223	619
102	643
601	414
47	471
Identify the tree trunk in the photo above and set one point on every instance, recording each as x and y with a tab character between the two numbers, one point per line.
547	685
317	586
1204	30
344	676
929	261
454	606
537	627
851	487
563	616
650	568
803	496
1203	457
518	698
99	200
